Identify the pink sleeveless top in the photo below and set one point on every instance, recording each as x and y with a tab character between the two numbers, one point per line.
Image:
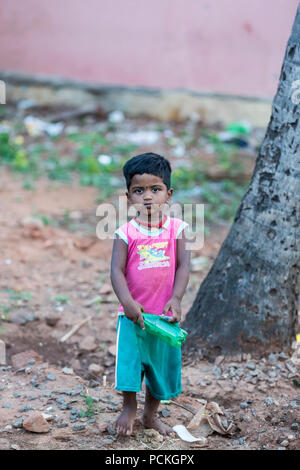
151	262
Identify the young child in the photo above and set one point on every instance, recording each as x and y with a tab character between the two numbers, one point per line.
149	273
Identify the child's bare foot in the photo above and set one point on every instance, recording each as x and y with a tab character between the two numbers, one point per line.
124	423
149	419
154	423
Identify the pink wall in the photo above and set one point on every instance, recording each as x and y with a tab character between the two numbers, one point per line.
225	46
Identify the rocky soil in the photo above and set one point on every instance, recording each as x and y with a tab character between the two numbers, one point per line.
57	389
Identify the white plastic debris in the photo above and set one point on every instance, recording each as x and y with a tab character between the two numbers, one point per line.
143	137
116	117
68	371
186	436
25	104
36	126
104	159
179	151
168	133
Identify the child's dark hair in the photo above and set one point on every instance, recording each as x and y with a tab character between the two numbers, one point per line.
150	163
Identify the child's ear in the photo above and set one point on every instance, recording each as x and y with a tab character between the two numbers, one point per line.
170	193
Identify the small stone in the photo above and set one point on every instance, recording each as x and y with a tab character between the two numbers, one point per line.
32	397
251	365
22	318
268	401
36	423
15	447
93	383
18	423
284	443
244	404
293	404
88	344
78	427
31	362
68	371
52	320
111	429
153	435
218	360
51	377
95	370
165	412
295	426
112	350
7	405
26	408
50	409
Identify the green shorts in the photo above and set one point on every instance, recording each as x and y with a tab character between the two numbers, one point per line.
139	353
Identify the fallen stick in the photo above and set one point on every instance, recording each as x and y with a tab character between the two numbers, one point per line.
187	408
74	329
76	113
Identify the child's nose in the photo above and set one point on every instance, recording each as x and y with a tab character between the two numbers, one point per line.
147	195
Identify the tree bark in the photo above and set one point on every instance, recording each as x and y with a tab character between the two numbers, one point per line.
248	300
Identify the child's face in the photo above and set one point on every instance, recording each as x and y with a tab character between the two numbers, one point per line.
149	192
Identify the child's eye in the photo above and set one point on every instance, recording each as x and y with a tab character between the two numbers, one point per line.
155	189
138	191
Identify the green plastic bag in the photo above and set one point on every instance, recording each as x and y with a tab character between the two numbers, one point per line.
169	332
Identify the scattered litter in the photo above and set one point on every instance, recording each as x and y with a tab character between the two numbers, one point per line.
143	137
241	127
36	126
104	159
186	436
68	371
179	151
26	104
235	134
116	117
210	413
168	133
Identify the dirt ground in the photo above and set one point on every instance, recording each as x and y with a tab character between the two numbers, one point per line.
52	278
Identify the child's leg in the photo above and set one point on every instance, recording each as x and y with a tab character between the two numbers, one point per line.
124	423
149	419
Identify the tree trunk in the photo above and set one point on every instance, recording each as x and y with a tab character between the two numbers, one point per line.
248	300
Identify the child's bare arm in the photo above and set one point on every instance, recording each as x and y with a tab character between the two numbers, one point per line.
132	309
181	279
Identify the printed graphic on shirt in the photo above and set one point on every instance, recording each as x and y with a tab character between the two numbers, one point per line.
153	256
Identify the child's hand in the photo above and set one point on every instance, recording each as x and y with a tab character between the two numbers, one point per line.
133	312
174	305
